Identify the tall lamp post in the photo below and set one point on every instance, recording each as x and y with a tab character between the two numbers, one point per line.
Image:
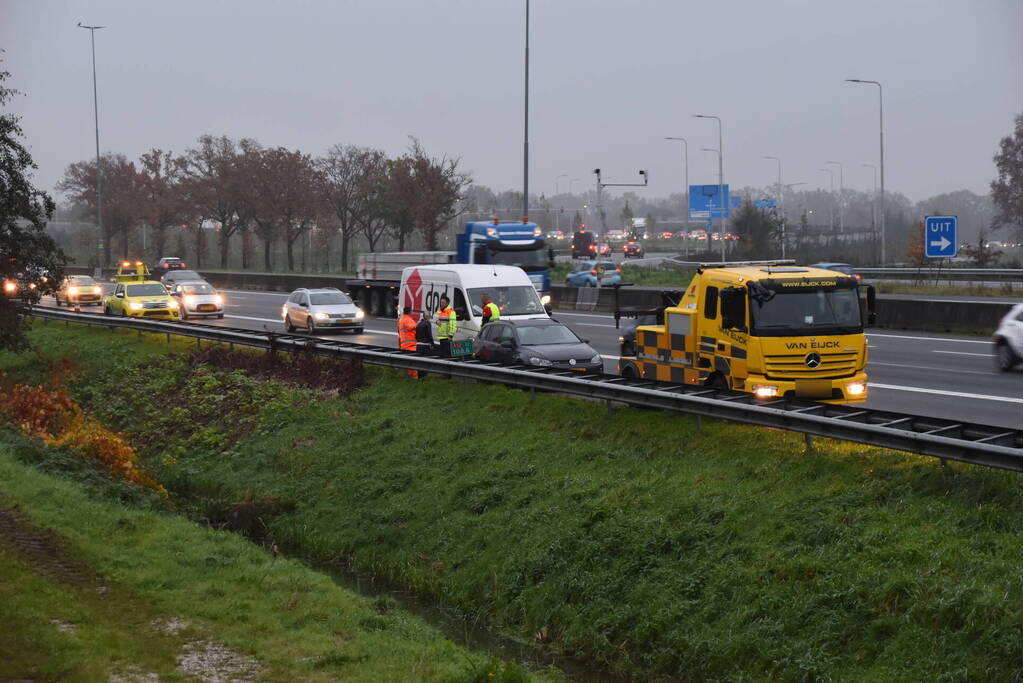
95	111
841	194
880	105
831	204
721	178
557	183
780	212
685	175
525	134
873	206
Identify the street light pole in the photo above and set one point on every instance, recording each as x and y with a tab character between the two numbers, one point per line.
525	136
880	103
95	111
721	178
685	176
873	207
557	184
831	204
780	212
841	195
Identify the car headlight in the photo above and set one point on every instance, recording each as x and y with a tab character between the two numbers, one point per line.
545	299
189	299
539	362
97	290
284	311
856	388
492	232
10	287
359	314
72	291
537	232
765	390
173	303
597	359
218	300
321	316
135	305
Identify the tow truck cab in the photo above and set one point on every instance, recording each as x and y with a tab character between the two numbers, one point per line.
767	328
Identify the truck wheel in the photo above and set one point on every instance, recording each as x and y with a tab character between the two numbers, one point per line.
629	372
1005	358
716	381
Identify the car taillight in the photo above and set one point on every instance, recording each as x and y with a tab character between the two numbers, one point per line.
618	270
593	272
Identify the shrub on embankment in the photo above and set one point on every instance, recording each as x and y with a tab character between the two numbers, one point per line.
632	539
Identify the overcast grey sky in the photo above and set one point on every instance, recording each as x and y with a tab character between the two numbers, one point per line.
609	81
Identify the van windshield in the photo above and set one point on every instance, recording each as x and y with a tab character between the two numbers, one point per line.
518	300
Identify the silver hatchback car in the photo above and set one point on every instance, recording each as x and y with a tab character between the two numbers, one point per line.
325	308
198	298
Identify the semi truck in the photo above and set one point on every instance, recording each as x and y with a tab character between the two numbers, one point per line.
493	243
769	328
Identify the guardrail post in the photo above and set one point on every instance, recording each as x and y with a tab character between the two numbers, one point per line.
610	408
699	424
808	441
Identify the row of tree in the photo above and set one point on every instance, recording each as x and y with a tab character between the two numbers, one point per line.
241	190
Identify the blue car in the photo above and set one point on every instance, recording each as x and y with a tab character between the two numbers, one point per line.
586	272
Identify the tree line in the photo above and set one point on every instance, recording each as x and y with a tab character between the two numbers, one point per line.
239	190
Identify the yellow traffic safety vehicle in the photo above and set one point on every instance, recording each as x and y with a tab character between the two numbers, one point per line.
769	328
136	295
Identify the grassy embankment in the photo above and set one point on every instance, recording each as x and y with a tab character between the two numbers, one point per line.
99	581
633	540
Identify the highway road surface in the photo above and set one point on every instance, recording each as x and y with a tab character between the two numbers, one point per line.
927	374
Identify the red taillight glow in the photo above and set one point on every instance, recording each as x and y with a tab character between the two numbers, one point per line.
593	272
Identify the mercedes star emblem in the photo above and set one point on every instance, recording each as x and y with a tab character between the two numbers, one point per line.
812	360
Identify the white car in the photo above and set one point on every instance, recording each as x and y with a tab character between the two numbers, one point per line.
197	298
314	309
1009	340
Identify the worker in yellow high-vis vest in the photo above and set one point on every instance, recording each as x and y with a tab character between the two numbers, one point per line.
446	326
491	311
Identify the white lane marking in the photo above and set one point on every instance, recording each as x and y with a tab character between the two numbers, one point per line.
942	339
929	367
962	353
593	325
558	312
943	392
252	291
259	320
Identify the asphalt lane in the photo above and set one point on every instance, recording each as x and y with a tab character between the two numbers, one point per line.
938	375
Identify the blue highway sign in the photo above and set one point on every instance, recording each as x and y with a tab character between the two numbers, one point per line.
941	239
704	201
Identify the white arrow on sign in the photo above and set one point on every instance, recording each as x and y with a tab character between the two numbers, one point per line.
941	244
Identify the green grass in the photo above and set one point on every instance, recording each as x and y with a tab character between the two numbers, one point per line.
632	540
948	289
144	568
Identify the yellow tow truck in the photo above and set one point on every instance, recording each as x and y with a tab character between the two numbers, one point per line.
137	295
769	328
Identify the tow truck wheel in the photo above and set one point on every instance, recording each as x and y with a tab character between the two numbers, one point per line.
1005	359
716	381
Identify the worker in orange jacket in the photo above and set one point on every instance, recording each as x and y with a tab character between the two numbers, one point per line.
407	335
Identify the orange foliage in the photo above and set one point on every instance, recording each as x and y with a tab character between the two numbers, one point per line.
51	415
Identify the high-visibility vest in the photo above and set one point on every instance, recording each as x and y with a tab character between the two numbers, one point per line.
446	324
407	333
493	310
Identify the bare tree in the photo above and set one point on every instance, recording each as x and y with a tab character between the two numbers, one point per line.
343	176
429	190
210	183
160	194
121	196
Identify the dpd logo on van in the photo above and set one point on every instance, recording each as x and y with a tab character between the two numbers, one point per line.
414	294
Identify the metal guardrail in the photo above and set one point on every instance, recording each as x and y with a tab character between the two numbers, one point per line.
978	444
964	274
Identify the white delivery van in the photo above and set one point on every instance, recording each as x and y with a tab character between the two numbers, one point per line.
464	285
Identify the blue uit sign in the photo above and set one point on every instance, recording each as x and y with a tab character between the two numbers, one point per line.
705	201
941	239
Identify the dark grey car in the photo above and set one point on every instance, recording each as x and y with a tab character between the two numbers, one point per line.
540	343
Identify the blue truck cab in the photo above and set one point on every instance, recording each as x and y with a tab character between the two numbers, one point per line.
509	243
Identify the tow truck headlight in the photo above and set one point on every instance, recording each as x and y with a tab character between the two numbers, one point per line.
72	291
545	299
135	305
856	388
765	390
359	314
321	316
539	362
